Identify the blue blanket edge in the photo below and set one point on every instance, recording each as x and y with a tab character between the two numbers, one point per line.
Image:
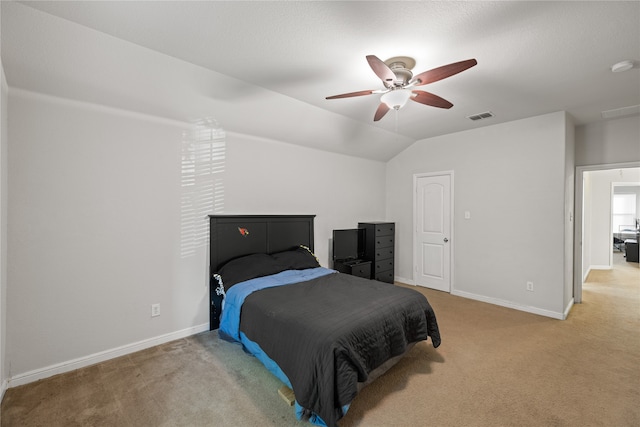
229	329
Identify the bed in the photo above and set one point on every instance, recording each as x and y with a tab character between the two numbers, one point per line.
322	333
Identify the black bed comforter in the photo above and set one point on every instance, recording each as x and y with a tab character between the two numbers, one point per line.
329	333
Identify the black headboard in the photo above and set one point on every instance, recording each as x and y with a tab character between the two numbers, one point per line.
233	236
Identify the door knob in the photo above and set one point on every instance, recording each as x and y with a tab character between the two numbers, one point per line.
446	240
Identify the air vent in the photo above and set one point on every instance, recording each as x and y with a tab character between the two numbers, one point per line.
480	116
620	112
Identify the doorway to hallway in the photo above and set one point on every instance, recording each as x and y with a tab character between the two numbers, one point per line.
593	244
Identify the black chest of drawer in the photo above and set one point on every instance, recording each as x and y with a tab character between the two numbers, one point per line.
379	247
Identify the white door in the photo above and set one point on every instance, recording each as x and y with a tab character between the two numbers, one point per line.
432	238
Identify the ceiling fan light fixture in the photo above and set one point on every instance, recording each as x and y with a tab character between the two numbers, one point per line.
622	66
396	76
396	98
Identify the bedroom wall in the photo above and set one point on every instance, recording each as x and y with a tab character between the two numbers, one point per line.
97	225
512	179
279	178
100	206
608	141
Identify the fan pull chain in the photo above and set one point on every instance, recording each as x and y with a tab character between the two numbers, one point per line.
397	119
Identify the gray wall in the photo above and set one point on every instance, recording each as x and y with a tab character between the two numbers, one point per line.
512	178
99	207
608	141
97	218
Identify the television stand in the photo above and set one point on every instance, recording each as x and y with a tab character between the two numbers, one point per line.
355	267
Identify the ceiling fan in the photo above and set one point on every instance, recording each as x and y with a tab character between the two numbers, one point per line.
398	80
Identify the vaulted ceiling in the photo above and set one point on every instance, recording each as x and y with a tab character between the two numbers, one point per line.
266	67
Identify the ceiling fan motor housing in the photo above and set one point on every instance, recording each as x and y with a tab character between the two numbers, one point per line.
402	73
403	76
401	67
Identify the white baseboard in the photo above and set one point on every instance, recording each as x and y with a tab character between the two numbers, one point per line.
504	303
510	304
403	280
600	267
568	309
92	359
3	388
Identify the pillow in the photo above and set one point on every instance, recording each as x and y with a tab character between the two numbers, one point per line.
246	268
296	259
259	265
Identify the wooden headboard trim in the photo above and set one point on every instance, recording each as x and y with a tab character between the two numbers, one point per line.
234	236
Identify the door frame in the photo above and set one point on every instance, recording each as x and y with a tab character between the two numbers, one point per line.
578	279
452	240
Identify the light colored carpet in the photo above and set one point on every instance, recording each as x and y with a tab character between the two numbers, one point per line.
495	367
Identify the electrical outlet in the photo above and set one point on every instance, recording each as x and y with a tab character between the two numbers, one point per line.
155	310
530	286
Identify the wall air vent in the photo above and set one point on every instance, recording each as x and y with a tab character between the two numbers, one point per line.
480	116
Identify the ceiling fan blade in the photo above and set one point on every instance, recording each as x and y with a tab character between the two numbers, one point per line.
381	111
430	99
443	72
349	95
381	69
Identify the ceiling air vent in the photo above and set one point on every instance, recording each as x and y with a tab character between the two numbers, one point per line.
621	112
480	116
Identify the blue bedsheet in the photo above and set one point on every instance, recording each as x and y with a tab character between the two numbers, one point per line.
230	320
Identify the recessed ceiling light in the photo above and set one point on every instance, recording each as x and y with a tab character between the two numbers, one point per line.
622	66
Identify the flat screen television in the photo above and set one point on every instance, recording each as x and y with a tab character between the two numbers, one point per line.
348	244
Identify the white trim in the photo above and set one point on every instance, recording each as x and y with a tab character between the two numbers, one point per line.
81	362
509	304
567	309
609	219
403	280
452	219
5	85
505	303
600	267
5	385
3	389
578	201
27	94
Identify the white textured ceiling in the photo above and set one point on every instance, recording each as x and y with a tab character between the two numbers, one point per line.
533	58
